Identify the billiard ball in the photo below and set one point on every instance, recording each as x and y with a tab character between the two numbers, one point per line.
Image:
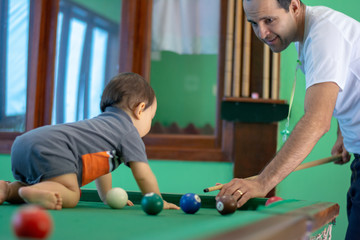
190	203
116	198
31	222
272	200
226	204
152	203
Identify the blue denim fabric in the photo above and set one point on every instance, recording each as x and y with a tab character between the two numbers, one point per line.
353	201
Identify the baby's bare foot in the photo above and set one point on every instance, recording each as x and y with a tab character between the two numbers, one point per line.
46	199
58	204
4	190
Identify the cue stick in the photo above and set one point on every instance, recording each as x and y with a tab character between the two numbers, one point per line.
300	167
245	88
229	47
275	75
266	72
237	49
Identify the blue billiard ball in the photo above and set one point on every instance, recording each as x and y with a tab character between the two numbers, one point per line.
190	203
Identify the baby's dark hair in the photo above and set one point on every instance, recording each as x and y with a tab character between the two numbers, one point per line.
126	91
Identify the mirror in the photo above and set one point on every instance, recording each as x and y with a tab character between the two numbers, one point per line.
184	65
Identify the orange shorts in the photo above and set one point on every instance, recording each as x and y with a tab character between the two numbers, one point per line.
94	165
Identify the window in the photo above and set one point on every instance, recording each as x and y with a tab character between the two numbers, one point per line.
30	65
87	57
14	38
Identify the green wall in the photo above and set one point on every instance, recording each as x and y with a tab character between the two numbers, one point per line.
325	183
110	9
185	86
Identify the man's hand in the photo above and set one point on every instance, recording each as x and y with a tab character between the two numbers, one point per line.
339	148
243	189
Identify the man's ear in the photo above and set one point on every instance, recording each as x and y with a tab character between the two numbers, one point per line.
295	6
138	110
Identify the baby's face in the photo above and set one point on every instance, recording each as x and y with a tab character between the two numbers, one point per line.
146	119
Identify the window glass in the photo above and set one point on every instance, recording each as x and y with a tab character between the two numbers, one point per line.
13	64
184	62
87	57
72	78
97	70
59	27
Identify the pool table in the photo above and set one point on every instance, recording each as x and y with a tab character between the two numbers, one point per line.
91	219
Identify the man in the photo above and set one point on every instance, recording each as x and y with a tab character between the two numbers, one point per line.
328	43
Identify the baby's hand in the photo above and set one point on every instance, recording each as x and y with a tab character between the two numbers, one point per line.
130	203
170	206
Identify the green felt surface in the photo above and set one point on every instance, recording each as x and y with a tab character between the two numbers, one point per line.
95	220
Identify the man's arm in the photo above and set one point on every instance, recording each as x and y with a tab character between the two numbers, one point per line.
320	102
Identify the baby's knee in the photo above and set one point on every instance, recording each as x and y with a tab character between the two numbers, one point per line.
71	203
73	199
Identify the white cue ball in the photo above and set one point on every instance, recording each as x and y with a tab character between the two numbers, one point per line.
116	198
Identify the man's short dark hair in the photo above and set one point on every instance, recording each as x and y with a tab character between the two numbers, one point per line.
126	91
283	4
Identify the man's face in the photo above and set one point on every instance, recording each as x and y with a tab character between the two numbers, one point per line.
272	24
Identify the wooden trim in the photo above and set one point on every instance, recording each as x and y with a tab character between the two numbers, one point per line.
221	78
275	75
183	147
7	139
278	227
292	225
135	37
186	154
254	147
3	47
229	53
180	141
41	65
41	62
321	213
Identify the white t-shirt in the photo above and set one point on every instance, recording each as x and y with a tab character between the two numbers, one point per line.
330	52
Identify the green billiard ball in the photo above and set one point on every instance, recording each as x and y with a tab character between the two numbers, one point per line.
152	203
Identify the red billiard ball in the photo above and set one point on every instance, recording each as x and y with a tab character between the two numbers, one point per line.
190	203
272	200
226	204
32	222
